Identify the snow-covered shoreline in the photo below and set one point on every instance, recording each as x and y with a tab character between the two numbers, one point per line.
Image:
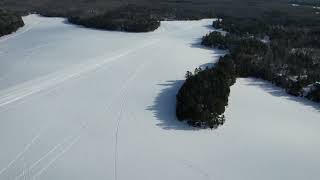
82	104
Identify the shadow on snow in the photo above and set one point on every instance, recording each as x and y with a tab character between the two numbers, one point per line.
164	107
165	103
280	92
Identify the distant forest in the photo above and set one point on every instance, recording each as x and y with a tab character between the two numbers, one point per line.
144	15
176	9
137	15
128	18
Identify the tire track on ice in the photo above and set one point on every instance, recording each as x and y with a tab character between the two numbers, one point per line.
62	152
20	154
29	88
40	160
68	142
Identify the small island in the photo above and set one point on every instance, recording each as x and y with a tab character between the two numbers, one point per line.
202	99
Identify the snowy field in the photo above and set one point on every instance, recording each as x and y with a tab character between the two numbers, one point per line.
82	104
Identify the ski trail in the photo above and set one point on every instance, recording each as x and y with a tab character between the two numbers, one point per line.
71	143
19	155
116	143
23	87
63	151
123	105
21	91
66	141
47	154
123	94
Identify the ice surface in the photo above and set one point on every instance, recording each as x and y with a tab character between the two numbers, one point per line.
79	104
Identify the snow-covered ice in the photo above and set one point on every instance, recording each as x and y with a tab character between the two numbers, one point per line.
79	104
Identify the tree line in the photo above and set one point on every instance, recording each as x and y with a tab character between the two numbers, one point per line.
291	59
287	55
129	18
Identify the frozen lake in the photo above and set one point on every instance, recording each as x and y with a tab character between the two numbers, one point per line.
79	104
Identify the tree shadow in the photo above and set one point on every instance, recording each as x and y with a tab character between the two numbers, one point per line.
280	92
165	103
164	107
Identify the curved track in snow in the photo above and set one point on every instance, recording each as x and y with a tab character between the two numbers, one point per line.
26	89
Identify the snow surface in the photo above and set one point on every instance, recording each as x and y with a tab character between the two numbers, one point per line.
79	104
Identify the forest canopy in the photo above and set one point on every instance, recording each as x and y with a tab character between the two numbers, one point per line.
287	55
130	19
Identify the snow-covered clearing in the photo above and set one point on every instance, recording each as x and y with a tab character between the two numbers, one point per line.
79	104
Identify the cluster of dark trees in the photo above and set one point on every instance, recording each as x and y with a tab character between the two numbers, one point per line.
285	52
202	99
289	57
129	18
9	22
306	2
234	43
314	94
240	26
